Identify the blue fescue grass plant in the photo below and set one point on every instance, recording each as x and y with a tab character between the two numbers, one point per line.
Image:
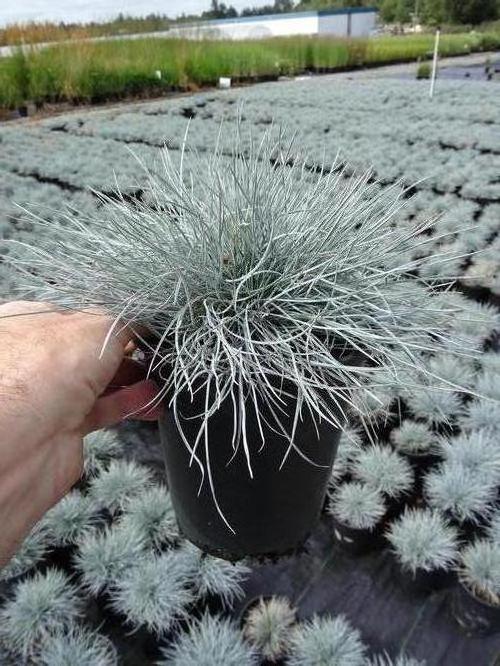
459	372
152	516
99	448
480	570
358	506
434	405
75	646
269	626
104	556
221	578
211	641
481	414
326	640
247	270
423	541
33	549
213	576
490	361
477	451
156	592
45	603
413	438
479	319
460	492
116	485
70	519
383	470
488	385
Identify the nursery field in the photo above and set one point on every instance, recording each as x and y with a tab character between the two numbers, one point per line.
94	72
420	499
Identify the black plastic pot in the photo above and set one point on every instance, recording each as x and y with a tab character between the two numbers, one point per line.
271	513
475	617
421	463
469	530
397	505
358	542
425	582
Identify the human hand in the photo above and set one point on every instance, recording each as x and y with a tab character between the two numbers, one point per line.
54	389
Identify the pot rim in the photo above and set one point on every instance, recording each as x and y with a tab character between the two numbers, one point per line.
487	604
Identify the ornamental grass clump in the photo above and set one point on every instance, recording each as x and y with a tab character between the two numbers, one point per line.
250	278
423	541
211	641
217	577
32	551
460	492
156	592
435	405
413	438
269	627
479	320
481	414
384	470
357	506
480	571
45	603
116	485
488	385
457	372
75	646
70	519
103	557
477	451
326	640
151	515
99	448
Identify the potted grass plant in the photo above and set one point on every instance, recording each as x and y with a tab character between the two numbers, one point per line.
425	547
476	604
384	470
265	296
268	625
357	511
326	640
416	441
465	485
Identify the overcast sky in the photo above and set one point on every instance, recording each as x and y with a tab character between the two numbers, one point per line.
87	10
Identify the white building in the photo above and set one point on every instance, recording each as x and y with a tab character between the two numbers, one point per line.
348	22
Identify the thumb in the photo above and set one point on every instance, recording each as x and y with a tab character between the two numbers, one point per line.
136	401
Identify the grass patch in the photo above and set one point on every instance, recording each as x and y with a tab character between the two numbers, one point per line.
85	71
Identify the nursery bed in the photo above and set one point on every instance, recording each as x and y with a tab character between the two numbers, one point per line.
325	579
445	151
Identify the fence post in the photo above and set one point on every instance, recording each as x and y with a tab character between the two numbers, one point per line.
435	63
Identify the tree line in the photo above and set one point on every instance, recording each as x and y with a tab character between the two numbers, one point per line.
469	12
429	12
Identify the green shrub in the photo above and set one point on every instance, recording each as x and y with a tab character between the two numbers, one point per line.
424	70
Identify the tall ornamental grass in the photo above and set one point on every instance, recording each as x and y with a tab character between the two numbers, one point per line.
96	71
